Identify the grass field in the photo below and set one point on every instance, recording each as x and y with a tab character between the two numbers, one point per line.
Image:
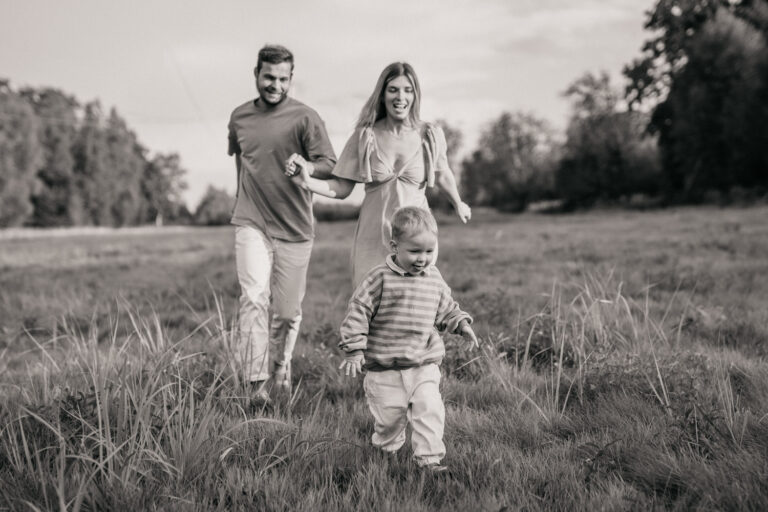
623	366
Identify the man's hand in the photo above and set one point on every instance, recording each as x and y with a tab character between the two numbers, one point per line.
296	164
352	365
463	211
468	334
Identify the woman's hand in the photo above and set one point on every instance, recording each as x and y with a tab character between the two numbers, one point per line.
463	211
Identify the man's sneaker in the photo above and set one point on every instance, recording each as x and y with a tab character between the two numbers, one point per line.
282	375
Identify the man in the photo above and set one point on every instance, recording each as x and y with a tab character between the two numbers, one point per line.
273	216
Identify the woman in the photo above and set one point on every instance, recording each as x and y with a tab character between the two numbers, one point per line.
395	155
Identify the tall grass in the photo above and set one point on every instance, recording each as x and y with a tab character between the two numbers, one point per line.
140	421
613	390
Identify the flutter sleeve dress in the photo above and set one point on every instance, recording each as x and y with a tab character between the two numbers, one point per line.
387	188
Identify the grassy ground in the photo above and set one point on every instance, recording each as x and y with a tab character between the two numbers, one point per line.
623	366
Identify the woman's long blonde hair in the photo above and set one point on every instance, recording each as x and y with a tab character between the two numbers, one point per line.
373	110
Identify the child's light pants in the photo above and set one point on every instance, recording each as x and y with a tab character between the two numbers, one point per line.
396	397
268	268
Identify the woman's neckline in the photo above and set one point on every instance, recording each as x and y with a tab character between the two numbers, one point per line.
404	130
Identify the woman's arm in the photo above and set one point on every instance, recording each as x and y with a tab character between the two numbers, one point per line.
300	171
447	183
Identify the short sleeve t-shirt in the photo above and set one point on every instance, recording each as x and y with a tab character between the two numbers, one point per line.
265	136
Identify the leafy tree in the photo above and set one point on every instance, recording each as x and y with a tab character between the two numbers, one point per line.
607	154
162	185
674	25
513	165
56	113
712	124
215	207
64	164
91	204
125	167
704	75
20	157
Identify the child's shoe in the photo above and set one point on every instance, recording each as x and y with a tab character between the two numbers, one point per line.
435	467
258	393
281	375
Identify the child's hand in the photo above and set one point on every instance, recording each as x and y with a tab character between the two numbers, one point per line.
468	334
353	364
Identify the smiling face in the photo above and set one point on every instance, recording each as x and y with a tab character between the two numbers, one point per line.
398	98
273	82
415	252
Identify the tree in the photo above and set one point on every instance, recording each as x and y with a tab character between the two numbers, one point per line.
674	25
56	113
712	124
92	199
453	138
704	76
65	164
125	167
607	153
513	165
215	207
20	157
162	185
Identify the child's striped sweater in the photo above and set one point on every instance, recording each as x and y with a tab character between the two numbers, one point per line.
393	318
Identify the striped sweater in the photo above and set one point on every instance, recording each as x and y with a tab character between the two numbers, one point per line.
393	318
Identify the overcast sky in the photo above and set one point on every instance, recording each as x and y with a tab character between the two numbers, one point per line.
175	69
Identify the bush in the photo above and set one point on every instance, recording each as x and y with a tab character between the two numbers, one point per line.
215	208
336	211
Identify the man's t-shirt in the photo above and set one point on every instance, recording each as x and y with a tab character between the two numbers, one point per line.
265	136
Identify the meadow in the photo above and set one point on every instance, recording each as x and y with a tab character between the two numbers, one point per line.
622	366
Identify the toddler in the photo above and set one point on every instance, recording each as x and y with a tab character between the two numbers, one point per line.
390	329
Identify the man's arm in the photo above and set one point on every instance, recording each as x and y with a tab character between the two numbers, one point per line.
238	165
233	149
318	148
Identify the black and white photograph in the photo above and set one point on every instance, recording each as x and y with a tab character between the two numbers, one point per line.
343	255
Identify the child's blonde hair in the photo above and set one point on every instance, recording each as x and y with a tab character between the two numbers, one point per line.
410	220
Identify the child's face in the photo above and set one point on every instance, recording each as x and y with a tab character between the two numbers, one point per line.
415	252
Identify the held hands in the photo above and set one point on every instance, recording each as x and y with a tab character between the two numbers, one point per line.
469	335
299	170
463	211
353	364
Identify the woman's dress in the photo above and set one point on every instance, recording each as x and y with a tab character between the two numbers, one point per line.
387	188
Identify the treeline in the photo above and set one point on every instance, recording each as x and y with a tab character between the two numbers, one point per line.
63	163
690	125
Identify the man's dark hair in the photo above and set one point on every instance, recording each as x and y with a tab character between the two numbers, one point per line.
274	54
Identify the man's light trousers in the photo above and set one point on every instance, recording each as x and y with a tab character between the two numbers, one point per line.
268	268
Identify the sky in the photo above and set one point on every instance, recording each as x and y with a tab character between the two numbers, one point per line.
175	69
